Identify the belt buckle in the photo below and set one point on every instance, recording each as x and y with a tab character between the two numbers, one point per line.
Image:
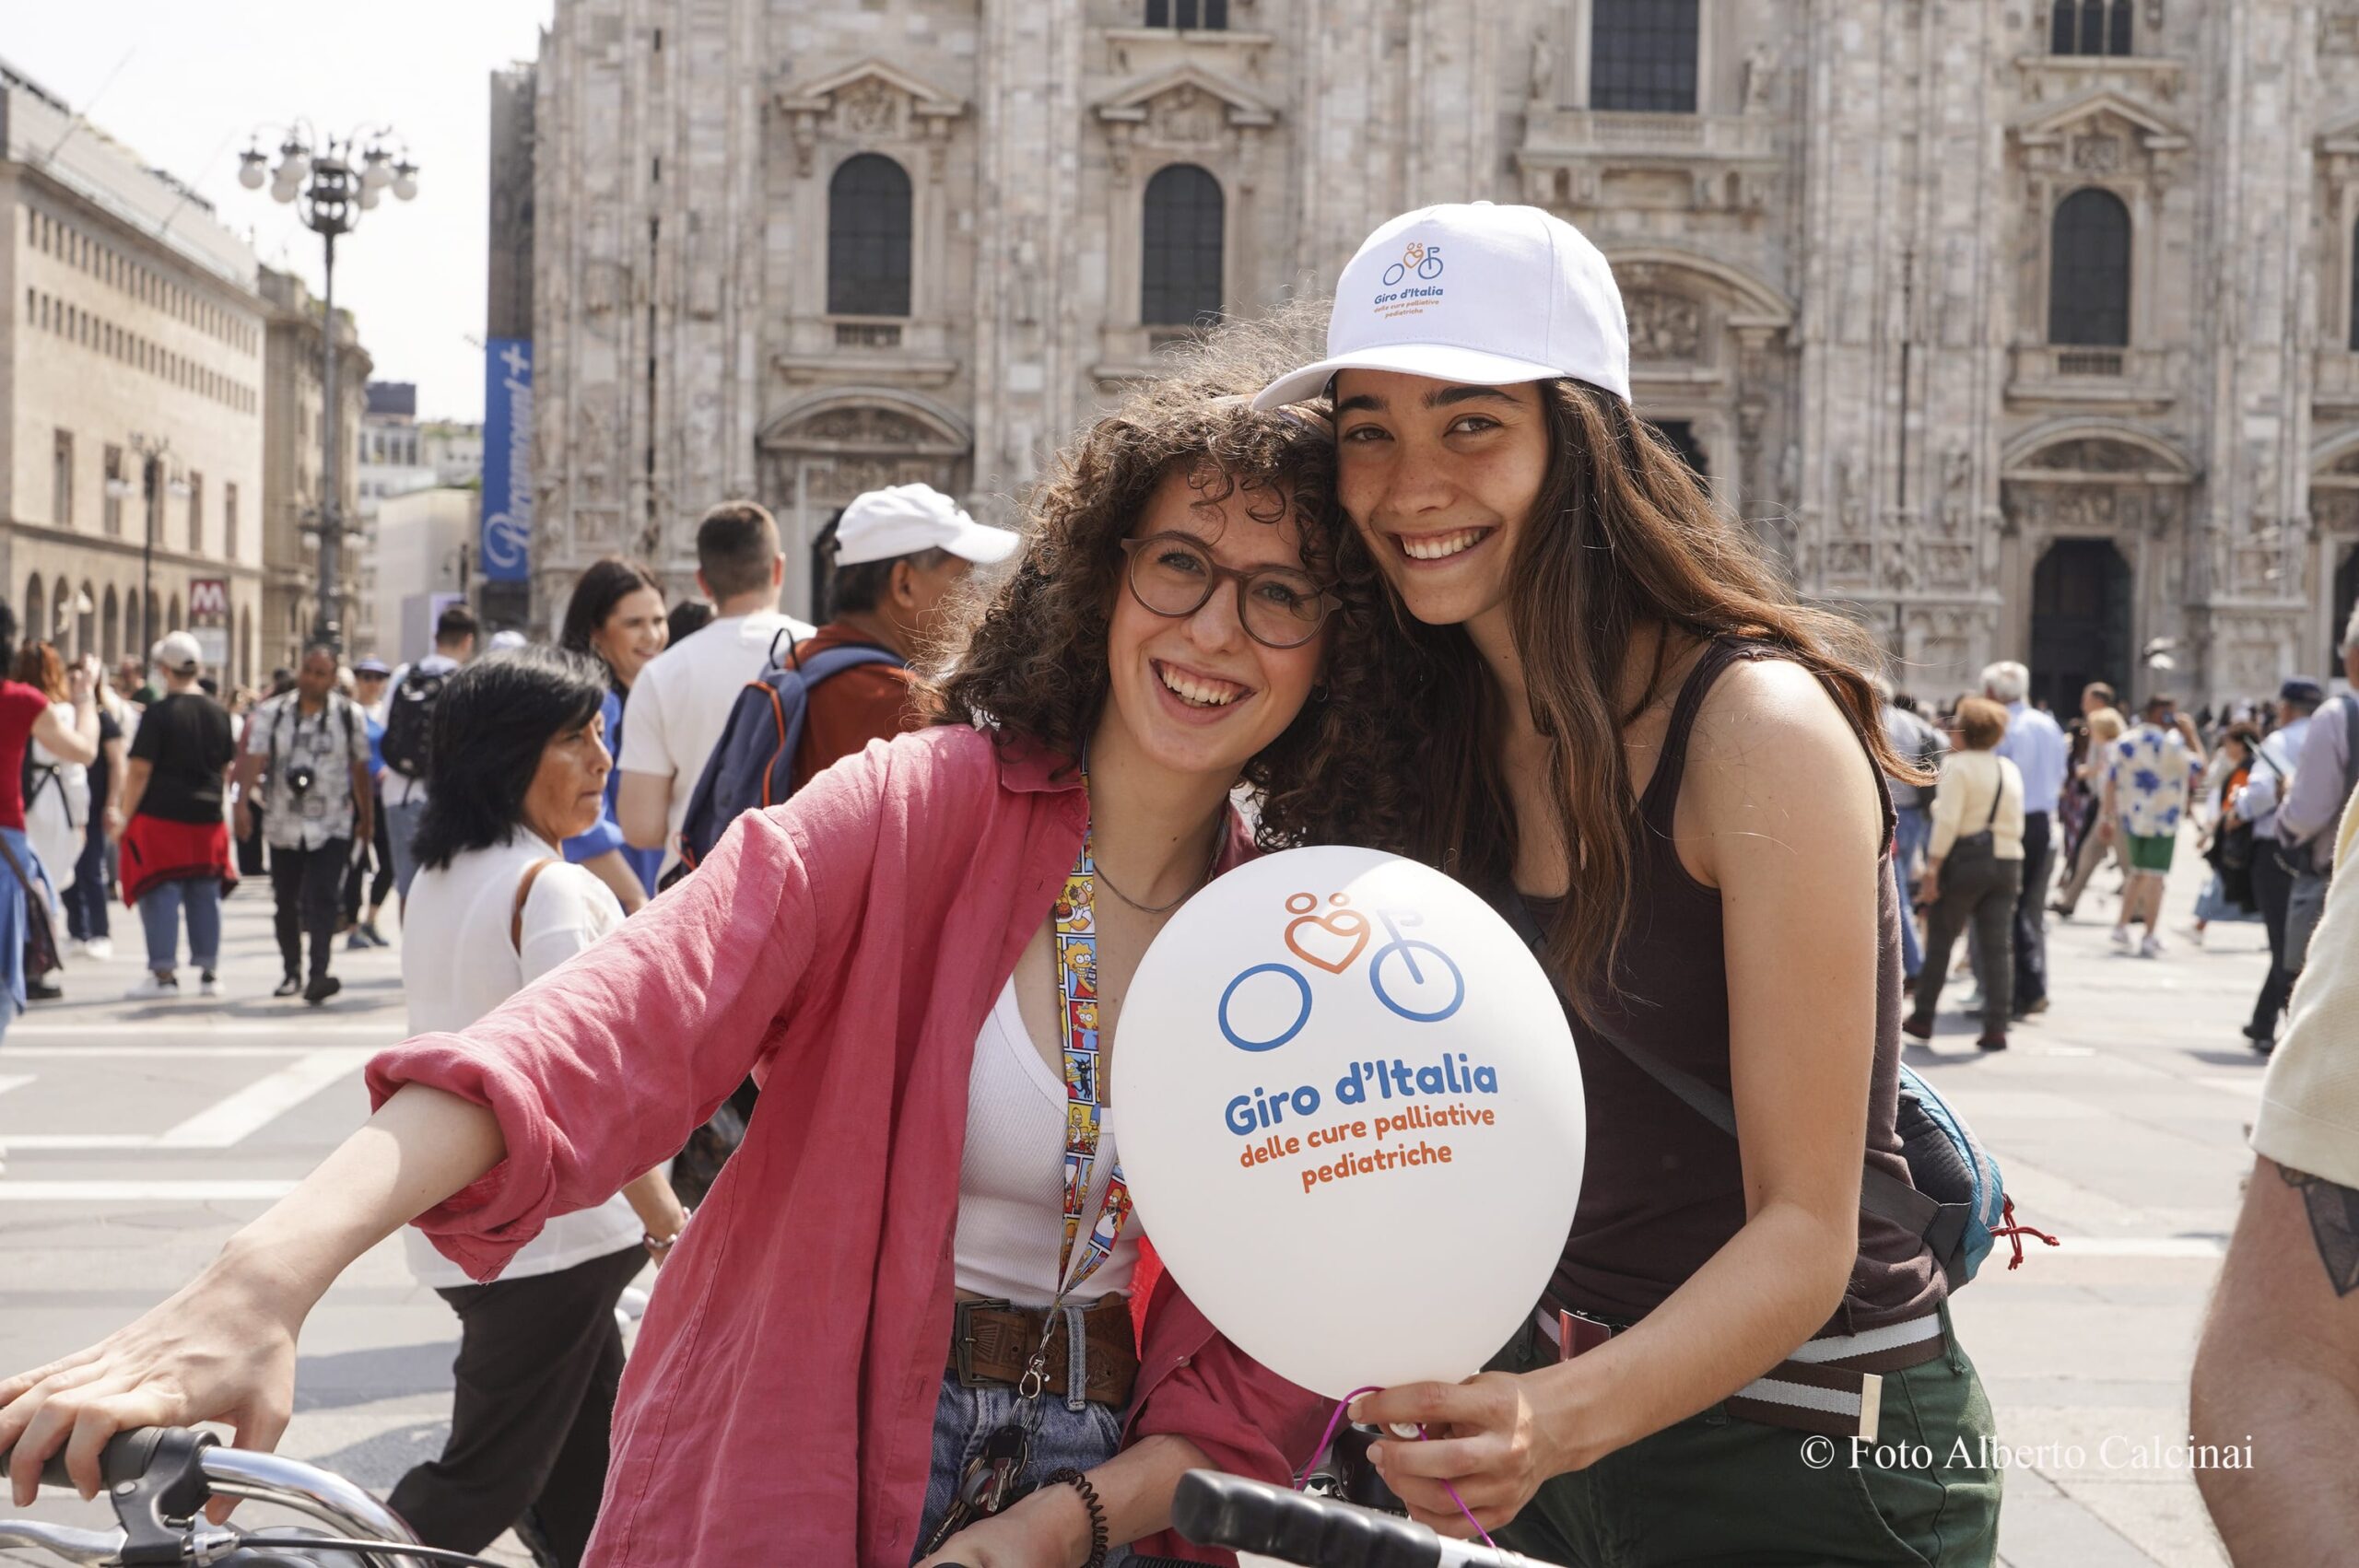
962	1341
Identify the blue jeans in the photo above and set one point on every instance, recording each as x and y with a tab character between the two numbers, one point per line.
160	912
1061	1435
1912	834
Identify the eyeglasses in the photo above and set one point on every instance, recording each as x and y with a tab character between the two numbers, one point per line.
1173	575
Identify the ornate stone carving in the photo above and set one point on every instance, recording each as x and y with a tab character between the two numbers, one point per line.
1957	482
1024	280
870	109
1851	503
1760	77
865	426
1186	117
1664	327
1542	81
2094	455
2098	152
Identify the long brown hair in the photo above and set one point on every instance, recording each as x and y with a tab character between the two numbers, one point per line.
1027	654
1621	535
38	665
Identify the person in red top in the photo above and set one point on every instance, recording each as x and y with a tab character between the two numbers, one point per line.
901	555
26	716
813	1376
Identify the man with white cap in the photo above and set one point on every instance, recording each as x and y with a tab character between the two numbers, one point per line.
900	555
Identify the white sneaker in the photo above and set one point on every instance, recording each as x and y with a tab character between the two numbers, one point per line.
153	986
2151	948
97	947
209	984
2121	937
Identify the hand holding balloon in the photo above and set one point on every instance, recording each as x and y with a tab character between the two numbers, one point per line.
1350	1112
1486	1437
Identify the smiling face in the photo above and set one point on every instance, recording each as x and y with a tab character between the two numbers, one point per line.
569	787
1441	480
1194	694
633	632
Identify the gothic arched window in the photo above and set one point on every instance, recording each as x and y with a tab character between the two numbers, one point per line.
1180	257
868	238
1642	55
2088	270
2089	27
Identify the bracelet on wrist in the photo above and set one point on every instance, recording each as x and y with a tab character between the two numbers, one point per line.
1098	1545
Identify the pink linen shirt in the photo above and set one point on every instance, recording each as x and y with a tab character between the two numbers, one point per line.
779	1406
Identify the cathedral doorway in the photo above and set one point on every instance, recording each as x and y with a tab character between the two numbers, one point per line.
2081	625
2346	599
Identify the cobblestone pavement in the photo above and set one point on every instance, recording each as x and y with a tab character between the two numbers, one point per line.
139	1135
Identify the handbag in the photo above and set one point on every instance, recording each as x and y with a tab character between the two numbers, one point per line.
1977	851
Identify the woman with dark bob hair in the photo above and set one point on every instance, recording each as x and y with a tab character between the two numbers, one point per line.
1669	769
915	1267
520	764
615	616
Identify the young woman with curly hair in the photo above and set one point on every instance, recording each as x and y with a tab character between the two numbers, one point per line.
1644	747
910	954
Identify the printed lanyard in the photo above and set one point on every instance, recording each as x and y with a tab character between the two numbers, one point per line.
1077	990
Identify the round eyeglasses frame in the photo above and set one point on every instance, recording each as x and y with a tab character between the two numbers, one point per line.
1215	573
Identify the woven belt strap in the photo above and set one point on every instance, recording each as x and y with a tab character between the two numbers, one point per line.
991	1342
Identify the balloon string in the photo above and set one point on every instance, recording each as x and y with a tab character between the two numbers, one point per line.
1335	1422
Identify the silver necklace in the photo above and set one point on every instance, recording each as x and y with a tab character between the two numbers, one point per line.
1099	867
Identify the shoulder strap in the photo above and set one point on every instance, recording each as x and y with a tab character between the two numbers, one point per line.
1882	1196
1671	766
524	891
1998	797
845	656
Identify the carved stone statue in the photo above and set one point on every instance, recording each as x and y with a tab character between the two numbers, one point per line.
1760	76
1024	280
1543	68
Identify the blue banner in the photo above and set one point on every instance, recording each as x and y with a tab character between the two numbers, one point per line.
507	459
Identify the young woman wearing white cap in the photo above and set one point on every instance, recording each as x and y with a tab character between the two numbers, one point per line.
1673	768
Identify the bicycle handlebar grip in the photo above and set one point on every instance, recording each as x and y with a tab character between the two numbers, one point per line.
126	1457
1212	1509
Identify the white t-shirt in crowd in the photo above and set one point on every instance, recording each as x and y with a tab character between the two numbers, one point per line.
459	962
680	703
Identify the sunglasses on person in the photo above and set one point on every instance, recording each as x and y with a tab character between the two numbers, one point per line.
1174	574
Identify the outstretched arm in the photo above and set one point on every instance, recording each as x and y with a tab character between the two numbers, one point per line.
223	1348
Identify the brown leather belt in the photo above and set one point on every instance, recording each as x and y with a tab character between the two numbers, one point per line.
991	1343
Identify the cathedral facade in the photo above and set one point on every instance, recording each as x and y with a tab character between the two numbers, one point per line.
2023	327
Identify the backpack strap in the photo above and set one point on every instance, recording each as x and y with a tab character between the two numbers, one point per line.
1883	1196
845	656
523	893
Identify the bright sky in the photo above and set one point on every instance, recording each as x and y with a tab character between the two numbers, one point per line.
182	84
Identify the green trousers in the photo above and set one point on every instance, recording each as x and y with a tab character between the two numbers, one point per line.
1718	1489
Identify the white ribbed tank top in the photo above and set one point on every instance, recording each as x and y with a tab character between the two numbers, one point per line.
1011	1180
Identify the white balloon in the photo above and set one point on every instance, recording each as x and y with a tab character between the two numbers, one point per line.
1348	1107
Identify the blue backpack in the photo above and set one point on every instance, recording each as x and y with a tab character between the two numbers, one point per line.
752	766
1954	1198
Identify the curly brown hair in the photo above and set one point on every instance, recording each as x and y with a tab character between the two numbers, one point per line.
1026	654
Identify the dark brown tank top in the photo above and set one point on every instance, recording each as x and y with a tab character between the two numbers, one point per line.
1663	1190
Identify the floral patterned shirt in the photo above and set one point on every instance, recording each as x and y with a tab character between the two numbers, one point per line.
2150	773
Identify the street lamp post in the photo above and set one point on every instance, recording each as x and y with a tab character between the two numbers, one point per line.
336	180
153	488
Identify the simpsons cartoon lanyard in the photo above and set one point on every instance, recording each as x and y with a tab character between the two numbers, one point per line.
991	1482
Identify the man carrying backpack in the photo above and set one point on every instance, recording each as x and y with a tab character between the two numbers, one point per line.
900	556
409	714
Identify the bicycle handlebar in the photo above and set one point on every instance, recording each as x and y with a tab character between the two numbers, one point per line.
1212	1509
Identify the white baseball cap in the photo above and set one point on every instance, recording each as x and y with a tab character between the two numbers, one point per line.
178	652
1476	294
905	519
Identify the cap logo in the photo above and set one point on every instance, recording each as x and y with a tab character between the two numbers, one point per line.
1421	261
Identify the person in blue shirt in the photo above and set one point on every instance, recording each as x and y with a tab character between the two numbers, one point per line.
2036	745
375	868
616	616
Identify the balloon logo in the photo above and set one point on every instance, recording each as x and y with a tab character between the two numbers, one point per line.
1350	1112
